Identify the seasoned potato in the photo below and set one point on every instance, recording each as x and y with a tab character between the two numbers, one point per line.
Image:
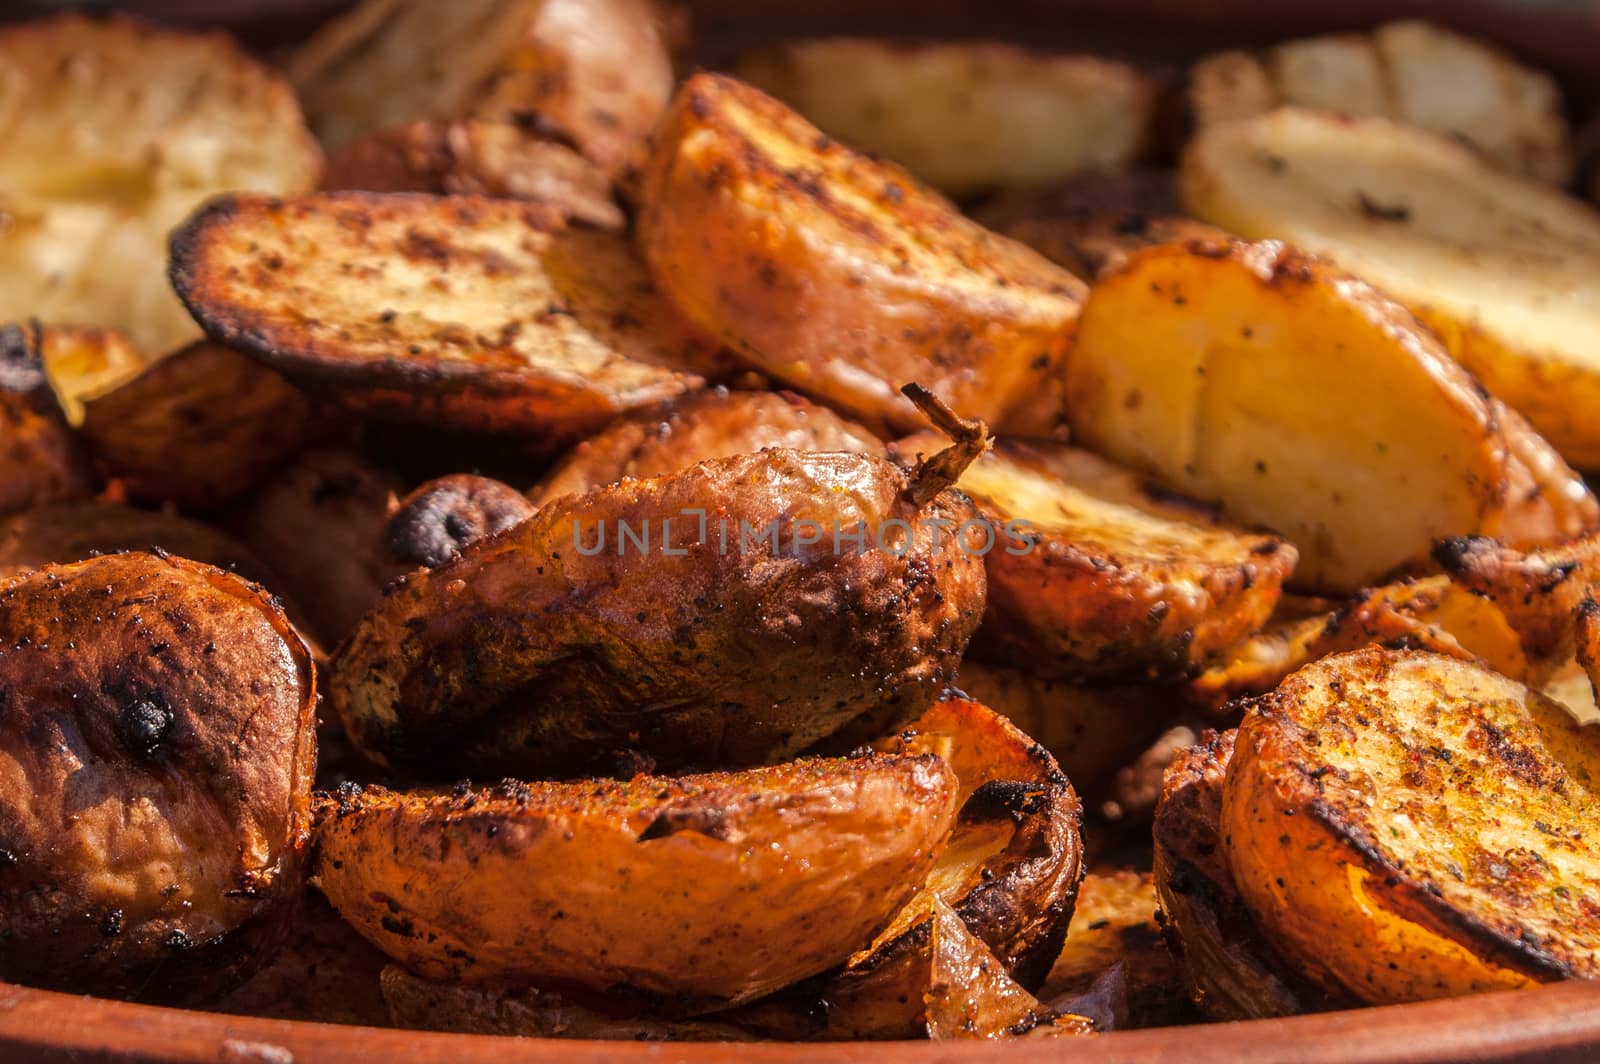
199	428
595	71
483	314
1408	826
711	424
721	887
964	116
1503	270
41	459
155	776
1587	624
440	519
840	275
1233	972
468	157
1414	72
692	649
114	131
1093	574
1244	373
1538	591
83	361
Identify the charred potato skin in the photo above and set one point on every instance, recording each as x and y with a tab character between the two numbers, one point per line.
44	462
439	675
189	705
439	519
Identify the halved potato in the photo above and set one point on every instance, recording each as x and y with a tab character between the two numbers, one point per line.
83	360
1412	71
1407	826
1247	374
720	887
1506	271
935	107
484	314
41	458
1093	574
840	275
114	132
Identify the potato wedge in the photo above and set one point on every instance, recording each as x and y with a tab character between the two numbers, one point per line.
721	887
933	106
839	275
1242	373
479	313
1407	826
1093	574
1233	972
472	158
711	424
1411	71
443	517
199	428
115	131
596	71
1539	591
82	361
41	460
1502	269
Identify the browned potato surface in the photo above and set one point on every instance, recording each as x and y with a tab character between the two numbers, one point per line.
720	887
155	776
479	313
1539	591
839	275
438	520
41	459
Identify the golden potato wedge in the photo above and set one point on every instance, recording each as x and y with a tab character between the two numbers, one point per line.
1503	269
443	517
473	158
934	107
1233	972
478	313
721	887
1411	71
839	275
1407	826
199	428
41	458
82	361
1539	591
1244	373
1093	574
114	132
596	71
712	424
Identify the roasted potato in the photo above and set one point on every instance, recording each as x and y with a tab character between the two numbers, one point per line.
155	776
1503	270
1407	826
440	519
41	458
934	107
1233	972
1587	637
1244	373
1538	591
469	157
82	361
478	313
1417	73
719	888
114	131
200	428
840	275
691	648
713	424
1093	574
595	71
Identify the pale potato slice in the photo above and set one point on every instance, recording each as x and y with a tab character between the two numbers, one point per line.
1505	271
114	132
839	275
485	314
963	116
1407	826
1411	71
1300	399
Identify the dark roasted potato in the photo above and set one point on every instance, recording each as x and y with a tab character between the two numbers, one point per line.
443	517
711	424
716	888
155	775
41	459
481	314
199	428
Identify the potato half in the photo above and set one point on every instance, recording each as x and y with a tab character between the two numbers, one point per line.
721	887
1407	826
840	275
1505	271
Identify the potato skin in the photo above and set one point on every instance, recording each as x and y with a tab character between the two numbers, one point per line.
155	774
439	519
718	888
42	459
746	655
